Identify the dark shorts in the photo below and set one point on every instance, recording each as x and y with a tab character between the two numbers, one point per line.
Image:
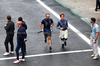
47	34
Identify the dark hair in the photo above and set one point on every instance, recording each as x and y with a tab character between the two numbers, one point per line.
20	19
61	15
9	17
47	14
93	19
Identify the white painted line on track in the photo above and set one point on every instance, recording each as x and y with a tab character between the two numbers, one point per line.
71	27
48	54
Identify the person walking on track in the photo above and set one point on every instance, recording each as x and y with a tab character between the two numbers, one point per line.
9	27
47	22
21	34
63	26
20	19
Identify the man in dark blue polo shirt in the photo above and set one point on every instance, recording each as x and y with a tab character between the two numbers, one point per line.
47	22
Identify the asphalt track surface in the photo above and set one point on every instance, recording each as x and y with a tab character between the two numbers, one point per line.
32	13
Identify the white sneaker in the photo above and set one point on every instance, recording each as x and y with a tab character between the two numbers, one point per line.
6	53
22	59
11	52
16	61
92	55
95	57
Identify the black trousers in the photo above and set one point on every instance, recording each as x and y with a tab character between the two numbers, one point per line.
9	39
24	47
97	4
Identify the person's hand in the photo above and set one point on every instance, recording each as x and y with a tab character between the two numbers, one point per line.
5	25
25	40
67	28
95	41
42	30
51	25
61	28
90	37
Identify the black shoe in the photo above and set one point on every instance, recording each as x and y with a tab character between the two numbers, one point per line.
62	45
95	9
50	48
45	40
65	43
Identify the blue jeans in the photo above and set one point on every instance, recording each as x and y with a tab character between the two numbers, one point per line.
22	49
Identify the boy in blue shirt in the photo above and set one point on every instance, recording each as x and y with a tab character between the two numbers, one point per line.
63	26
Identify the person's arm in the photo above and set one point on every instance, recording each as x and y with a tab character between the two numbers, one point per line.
41	26
90	35
97	33
58	24
7	27
22	34
52	23
66	26
91	32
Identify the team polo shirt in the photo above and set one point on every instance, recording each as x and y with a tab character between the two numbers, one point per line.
47	23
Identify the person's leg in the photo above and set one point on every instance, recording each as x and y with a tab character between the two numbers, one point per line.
96	48
23	51
11	43
17	51
24	47
49	39
65	36
6	43
45	37
97	4
62	38
92	45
